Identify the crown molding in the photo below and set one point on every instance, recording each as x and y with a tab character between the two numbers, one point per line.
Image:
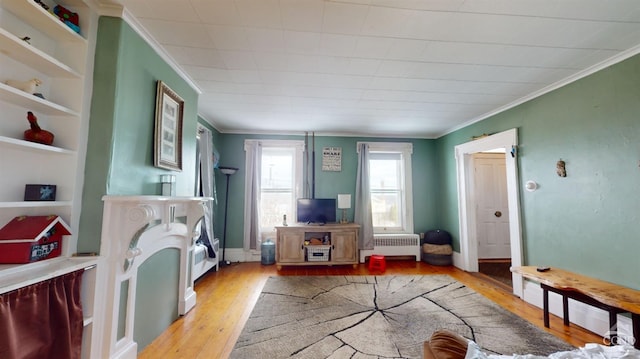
116	10
573	78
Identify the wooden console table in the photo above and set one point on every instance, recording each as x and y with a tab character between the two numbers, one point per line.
607	296
342	244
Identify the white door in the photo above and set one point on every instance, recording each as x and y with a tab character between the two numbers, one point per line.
492	208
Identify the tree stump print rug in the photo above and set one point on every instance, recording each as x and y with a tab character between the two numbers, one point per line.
379	317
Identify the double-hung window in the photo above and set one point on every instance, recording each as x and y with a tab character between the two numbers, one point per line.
390	187
273	183
277	185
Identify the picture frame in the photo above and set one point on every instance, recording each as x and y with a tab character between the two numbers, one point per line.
332	159
40	192
168	128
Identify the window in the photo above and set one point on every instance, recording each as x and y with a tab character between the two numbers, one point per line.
273	183
277	186
390	187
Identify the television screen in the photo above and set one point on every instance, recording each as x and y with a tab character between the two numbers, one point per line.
316	210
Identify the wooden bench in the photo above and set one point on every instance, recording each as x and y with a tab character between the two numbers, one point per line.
607	296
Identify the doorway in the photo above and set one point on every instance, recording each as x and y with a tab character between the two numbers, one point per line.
492	213
507	141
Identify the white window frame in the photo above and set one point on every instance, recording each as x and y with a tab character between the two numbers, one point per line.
406	149
297	184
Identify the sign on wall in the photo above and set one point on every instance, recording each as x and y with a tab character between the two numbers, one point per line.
332	159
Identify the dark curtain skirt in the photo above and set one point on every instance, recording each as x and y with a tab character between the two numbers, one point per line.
43	320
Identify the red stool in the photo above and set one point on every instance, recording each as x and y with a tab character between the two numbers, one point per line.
377	263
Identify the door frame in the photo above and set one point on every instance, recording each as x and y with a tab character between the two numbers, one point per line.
466	212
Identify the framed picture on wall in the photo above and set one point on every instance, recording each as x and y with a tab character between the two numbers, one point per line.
332	159
168	128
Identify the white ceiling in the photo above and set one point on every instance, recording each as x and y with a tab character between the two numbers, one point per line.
392	68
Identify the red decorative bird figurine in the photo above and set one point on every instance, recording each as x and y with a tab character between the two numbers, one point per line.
36	134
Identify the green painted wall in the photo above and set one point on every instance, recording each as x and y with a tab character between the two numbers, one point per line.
156	277
120	147
585	222
328	184
120	157
101	133
588	221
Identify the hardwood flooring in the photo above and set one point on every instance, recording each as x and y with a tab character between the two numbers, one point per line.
225	300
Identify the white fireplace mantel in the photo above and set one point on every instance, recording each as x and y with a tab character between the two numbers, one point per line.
133	229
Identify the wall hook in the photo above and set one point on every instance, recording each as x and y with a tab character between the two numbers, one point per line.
561	169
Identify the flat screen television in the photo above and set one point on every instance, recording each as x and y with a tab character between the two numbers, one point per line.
316	210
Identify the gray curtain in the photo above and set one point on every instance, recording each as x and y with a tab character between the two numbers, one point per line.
363	214
252	197
207	183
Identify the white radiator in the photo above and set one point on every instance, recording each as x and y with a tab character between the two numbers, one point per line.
393	245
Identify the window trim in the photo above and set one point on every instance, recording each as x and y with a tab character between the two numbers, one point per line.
406	148
298	147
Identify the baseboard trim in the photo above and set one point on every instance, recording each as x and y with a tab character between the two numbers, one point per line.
187	303
240	255
128	351
457	260
586	316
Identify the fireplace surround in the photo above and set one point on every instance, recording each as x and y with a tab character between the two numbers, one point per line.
134	228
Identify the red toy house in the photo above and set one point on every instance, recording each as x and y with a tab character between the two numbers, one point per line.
29	239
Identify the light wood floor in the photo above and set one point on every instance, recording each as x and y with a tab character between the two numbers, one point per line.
225	300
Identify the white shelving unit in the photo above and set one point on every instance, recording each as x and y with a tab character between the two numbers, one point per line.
61	59
27	146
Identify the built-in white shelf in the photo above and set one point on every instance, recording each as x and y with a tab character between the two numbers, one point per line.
35	204
23	52
14	276
26	145
61	58
34	103
36	16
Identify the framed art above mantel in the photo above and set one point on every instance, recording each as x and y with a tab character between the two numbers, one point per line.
168	128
